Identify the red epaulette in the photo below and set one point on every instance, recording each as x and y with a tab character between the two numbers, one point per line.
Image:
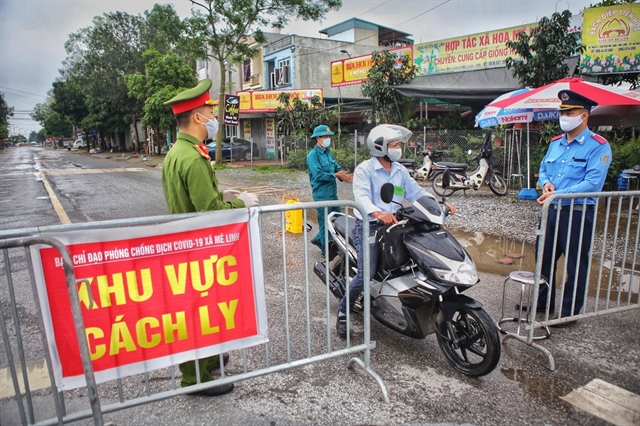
203	150
555	138
599	138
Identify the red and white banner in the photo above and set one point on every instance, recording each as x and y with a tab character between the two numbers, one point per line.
154	296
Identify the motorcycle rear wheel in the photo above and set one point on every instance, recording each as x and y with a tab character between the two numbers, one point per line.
437	186
472	344
498	186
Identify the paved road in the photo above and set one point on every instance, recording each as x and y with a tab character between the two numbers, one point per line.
422	387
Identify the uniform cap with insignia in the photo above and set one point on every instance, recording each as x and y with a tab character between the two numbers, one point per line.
191	98
572	100
321	130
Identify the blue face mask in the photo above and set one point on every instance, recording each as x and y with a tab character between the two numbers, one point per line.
326	142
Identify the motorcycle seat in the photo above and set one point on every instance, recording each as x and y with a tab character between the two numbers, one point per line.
407	162
462	166
341	227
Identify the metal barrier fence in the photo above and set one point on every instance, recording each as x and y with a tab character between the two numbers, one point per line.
606	275
292	300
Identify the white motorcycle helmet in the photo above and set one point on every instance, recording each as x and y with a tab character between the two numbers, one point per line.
381	135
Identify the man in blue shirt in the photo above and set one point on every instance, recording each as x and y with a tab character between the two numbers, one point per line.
576	161
323	171
384	143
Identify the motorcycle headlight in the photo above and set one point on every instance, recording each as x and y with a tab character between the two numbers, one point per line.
466	273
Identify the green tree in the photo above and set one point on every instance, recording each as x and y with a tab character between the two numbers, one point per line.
231	22
5	112
388	70
298	118
541	54
618	78
164	77
53	123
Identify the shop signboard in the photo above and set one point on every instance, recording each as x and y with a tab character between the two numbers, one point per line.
345	72
271	138
611	36
267	100
466	53
231	110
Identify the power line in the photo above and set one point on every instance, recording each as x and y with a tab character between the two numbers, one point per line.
423	13
16	90
381	4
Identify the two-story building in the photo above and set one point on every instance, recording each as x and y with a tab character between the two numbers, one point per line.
300	63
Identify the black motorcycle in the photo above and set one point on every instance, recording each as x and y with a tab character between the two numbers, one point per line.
417	288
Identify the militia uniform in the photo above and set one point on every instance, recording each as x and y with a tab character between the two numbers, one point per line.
322	168
190	185
579	165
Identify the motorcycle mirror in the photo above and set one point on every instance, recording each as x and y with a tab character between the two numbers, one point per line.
386	192
446	179
469	152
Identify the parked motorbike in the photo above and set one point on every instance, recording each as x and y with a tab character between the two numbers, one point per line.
429	168
418	291
485	173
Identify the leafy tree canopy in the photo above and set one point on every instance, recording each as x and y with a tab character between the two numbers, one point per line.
299	118
541	54
387	70
231	22
5	112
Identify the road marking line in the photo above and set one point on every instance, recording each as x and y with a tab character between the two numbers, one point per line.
62	215
88	171
609	402
37	373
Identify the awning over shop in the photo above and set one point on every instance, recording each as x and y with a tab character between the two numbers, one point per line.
473	88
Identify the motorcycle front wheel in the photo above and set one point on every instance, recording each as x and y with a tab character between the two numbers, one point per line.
497	185
437	187
470	342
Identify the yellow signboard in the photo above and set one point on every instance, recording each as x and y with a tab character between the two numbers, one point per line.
267	100
611	36
466	53
345	72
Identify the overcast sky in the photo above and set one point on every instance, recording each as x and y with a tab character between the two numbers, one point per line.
33	32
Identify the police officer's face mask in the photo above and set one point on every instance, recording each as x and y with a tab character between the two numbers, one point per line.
211	125
568	123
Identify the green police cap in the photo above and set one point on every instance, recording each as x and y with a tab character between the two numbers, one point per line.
191	98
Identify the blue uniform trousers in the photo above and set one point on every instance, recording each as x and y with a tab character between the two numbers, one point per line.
576	256
357	283
321	216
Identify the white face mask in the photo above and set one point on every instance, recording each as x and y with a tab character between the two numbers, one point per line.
568	123
394	154
211	125
326	142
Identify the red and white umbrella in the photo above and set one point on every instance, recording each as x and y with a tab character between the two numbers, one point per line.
546	97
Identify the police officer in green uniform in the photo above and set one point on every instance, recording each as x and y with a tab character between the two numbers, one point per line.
190	185
323	170
576	161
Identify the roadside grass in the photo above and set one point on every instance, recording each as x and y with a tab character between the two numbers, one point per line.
265	168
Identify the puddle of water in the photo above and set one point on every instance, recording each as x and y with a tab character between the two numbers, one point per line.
544	389
44	197
486	250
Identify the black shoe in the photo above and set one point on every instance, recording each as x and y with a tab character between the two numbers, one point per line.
341	326
540	308
316	243
564	324
215	391
225	360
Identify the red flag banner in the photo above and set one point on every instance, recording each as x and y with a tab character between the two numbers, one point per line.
155	298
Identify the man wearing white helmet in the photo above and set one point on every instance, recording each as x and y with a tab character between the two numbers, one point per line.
385	145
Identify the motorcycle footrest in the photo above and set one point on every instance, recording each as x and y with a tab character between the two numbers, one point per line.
336	284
